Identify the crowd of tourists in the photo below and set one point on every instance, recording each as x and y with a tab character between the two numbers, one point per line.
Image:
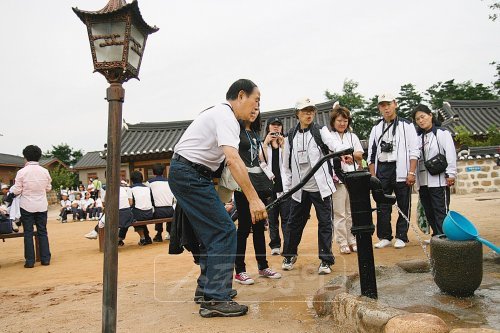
258	166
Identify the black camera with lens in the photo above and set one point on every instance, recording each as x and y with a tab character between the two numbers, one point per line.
386	147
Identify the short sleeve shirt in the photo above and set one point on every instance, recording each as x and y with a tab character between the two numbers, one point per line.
203	140
141	194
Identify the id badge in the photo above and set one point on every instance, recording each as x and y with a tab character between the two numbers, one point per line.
302	155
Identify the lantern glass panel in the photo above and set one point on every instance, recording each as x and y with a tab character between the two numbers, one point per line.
108	41
136	44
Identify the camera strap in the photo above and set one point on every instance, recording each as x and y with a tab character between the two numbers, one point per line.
423	147
393	123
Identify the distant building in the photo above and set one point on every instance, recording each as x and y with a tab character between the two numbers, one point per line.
10	164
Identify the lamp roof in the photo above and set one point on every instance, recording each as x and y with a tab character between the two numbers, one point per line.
116	7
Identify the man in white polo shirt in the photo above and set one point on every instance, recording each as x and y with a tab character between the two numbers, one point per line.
212	137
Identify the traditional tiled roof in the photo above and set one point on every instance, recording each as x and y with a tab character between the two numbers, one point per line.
90	160
476	116
160	137
11	160
157	138
151	138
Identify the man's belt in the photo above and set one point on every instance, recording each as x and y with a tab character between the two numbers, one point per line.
202	170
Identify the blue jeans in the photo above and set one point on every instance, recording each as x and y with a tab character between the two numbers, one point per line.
212	226
40	220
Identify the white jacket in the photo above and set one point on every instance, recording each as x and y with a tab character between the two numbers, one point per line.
406	146
291	176
446	147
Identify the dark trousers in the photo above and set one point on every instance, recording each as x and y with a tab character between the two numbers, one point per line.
283	210
436	202
38	219
142	215
161	213
386	173
76	213
65	212
297	223
244	225
96	212
212	226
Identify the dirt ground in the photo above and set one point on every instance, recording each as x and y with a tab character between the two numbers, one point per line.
155	289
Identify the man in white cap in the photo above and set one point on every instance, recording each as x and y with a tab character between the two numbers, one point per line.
306	144
392	158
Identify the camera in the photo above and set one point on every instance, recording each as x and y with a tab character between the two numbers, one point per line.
386	147
275	134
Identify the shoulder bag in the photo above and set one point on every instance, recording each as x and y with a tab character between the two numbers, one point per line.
437	164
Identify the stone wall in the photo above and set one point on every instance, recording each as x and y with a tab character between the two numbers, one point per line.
477	176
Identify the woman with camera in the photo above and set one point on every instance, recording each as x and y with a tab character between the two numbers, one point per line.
251	152
273	148
437	167
340	122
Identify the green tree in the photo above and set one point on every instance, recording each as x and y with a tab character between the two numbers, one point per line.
355	102
63	178
465	137
450	90
493	136
349	97
365	119
64	153
408	99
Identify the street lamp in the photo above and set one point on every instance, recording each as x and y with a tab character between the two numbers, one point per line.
117	35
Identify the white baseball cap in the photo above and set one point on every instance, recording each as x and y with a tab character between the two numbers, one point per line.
386	97
304	103
4	186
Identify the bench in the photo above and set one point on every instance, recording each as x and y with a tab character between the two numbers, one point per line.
21	234
134	224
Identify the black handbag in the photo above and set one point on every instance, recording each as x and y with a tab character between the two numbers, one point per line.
437	164
5	225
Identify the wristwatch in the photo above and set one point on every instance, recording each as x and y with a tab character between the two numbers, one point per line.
412	173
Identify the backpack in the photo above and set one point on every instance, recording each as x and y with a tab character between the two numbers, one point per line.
315	132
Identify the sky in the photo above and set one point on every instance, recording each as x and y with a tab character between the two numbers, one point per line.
290	48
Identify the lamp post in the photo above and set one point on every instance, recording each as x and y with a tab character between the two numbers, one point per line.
117	35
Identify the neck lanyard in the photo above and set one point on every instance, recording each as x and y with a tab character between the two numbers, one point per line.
253	146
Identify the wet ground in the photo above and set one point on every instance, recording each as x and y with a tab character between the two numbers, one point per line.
417	292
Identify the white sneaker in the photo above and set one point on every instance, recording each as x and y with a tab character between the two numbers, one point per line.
383	243
92	235
324	268
59	218
276	251
288	263
399	244
167	236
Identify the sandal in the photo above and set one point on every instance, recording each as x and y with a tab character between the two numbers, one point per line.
344	249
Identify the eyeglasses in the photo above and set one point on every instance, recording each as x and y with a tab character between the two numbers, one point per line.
308	111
